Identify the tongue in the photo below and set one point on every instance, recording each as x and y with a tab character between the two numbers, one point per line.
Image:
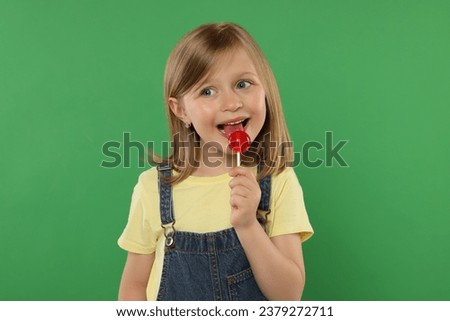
229	129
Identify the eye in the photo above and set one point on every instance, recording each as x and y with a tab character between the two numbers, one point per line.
242	84
207	92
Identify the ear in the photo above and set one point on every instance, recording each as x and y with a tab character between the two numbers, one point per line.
177	108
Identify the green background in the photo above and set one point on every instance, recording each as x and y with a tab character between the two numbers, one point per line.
77	74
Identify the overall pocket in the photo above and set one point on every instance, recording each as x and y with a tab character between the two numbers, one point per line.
242	286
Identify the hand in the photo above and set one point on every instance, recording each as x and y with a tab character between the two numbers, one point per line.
244	198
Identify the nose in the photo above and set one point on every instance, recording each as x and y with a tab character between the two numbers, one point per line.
231	101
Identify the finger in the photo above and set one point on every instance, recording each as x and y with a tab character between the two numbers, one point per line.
235	202
241	171
241	191
238	203
244	181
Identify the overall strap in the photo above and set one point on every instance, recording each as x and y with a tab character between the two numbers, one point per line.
265	185
166	205
165	195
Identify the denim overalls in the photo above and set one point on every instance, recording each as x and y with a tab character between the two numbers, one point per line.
205	266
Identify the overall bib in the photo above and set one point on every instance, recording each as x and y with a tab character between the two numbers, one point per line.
205	266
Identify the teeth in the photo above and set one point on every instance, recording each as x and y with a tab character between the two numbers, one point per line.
235	123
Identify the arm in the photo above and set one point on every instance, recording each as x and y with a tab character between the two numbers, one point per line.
135	277
277	263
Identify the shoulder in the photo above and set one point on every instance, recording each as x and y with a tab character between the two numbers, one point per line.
287	173
286	189
285	180
149	174
147	181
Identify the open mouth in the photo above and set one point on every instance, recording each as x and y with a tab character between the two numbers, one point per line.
226	128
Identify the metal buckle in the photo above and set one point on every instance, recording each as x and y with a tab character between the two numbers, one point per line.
170	236
261	216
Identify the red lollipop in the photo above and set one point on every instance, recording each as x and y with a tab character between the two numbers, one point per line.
239	142
238	139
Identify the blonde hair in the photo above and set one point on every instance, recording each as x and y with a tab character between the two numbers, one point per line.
190	61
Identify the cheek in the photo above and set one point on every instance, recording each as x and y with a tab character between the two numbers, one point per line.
260	105
197	112
255	101
260	96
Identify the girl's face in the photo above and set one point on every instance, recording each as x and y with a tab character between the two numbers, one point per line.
231	93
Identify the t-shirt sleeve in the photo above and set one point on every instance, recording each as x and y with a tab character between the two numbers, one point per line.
288	213
138	236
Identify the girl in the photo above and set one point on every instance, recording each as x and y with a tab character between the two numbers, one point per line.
200	227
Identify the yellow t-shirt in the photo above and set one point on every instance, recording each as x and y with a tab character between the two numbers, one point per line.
202	205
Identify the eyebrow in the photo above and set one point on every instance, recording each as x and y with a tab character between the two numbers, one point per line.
249	73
